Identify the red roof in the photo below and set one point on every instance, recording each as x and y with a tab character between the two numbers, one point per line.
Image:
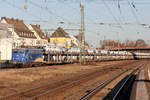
141	47
39	31
19	27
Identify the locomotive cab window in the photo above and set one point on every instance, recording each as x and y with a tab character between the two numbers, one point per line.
21	51
14	51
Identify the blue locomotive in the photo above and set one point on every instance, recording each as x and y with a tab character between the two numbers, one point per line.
27	56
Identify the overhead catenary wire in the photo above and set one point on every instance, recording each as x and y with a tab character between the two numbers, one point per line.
134	14
17	7
50	12
123	2
113	15
99	23
38	6
73	9
119	9
109	10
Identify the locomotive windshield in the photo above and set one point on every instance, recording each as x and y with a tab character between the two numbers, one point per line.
14	51
21	51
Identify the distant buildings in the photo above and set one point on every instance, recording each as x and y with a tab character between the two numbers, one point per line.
60	38
76	42
32	36
41	39
23	35
6	42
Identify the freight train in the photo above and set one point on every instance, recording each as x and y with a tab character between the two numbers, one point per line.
36	56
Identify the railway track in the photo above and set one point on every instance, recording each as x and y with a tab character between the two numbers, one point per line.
45	91
114	94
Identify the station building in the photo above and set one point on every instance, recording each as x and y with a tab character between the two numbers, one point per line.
6	42
60	38
21	35
24	36
41	40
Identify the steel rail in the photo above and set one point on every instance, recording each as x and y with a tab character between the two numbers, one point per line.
18	94
129	77
42	86
63	86
71	83
97	89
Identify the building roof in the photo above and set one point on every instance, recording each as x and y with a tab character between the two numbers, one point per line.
132	48
19	27
60	33
38	31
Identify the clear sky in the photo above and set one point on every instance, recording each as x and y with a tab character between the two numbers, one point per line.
123	23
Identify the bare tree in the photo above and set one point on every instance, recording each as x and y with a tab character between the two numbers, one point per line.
131	43
140	42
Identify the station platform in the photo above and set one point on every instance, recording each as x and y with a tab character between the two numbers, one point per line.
141	86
